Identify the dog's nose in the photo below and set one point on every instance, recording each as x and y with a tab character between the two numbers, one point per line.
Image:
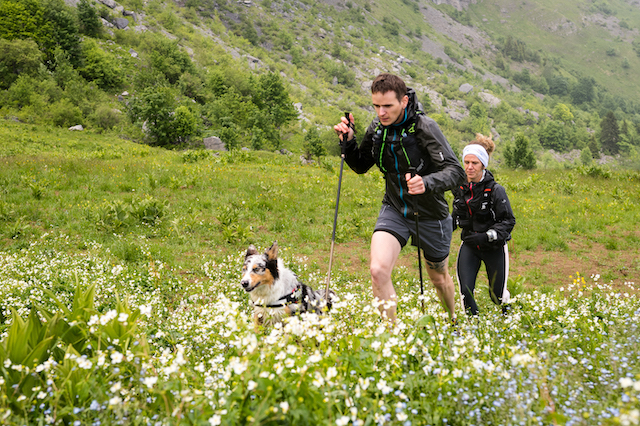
244	284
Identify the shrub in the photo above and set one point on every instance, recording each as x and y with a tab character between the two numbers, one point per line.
106	117
586	157
89	19
195	155
18	57
184	124
154	107
27	90
64	113
313	145
520	154
595	171
553	136
100	66
166	57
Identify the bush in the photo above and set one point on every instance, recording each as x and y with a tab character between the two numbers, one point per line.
553	136
18	57
100	66
184	124
520	154
164	125
313	145
595	171
586	157
89	19
106	117
64	113
29	90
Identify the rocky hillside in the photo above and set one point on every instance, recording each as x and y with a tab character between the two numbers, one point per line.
550	71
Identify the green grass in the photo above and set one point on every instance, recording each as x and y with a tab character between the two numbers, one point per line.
100	188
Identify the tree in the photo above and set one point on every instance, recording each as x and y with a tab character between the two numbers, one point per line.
165	122
276	108
584	90
18	57
520	153
593	146
609	134
553	136
49	23
167	58
558	85
89	19
23	19
313	144
100	66
561	112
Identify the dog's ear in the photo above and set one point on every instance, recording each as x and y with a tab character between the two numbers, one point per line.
251	251
272	252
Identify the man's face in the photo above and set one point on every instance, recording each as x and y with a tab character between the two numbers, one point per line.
388	108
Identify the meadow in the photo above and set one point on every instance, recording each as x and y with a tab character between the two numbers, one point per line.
120	302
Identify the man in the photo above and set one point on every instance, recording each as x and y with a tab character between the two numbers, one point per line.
401	140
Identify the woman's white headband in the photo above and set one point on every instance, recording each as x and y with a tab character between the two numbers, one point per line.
478	151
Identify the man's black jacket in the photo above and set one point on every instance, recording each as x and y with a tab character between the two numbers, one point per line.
416	142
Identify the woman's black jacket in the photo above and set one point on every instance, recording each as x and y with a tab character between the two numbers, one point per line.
478	207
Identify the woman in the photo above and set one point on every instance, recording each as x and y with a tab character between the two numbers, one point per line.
482	210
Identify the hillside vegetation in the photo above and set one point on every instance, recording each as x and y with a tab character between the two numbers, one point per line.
178	72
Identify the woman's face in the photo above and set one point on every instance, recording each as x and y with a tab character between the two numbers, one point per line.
473	168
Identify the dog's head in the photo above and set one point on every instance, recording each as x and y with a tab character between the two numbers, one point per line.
259	269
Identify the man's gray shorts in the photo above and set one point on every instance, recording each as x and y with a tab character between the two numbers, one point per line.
435	235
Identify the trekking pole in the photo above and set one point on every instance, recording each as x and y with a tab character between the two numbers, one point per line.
335	217
412	170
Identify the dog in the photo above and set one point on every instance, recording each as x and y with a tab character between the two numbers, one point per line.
275	291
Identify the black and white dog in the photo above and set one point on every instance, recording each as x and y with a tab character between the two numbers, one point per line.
275	291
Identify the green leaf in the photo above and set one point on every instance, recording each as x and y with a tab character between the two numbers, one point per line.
16	344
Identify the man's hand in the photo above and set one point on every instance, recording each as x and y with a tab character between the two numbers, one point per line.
343	128
415	184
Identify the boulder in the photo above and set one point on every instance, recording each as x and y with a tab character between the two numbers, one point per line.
111	4
130	13
121	23
465	88
214	143
488	98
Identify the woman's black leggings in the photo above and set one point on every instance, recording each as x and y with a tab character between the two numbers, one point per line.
467	267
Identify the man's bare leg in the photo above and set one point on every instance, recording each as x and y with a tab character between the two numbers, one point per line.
442	281
385	249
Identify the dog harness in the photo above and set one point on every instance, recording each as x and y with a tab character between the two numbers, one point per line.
288	299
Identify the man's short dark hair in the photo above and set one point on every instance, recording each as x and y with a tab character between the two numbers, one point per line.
389	83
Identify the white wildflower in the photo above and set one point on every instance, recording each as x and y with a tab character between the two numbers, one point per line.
145	310
150	381
116	357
